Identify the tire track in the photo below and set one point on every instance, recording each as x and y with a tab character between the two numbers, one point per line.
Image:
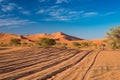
32	69
28	63
30	54
46	75
28	58
70	72
84	76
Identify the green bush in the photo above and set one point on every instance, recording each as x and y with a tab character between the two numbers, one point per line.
46	42
76	44
85	44
15	41
114	36
61	45
3	45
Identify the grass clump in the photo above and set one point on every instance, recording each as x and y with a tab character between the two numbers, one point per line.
15	42
46	42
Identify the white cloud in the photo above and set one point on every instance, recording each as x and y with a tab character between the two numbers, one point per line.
61	1
60	14
8	7
63	18
57	12
13	22
57	18
41	11
5	15
25	12
109	13
1	1
42	0
76	12
89	14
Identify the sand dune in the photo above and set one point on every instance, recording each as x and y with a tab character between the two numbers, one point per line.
59	36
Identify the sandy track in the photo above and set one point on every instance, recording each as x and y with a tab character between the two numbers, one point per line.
66	54
57	64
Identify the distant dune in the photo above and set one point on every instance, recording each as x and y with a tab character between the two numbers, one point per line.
5	38
59	36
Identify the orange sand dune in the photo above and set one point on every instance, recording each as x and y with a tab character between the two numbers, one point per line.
59	36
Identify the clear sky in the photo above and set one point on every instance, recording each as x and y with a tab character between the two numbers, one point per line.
88	19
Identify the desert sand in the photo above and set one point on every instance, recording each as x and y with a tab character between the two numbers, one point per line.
59	64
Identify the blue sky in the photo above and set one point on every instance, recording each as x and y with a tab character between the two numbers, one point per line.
88	19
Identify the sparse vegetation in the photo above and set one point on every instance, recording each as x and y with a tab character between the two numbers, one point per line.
46	42
114	36
85	44
3	45
76	44
61	45
15	41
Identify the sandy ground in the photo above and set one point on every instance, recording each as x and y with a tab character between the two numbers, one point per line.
9	49
58	64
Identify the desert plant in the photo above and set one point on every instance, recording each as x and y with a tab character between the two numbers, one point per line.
24	43
76	44
61	45
85	44
46	42
114	36
3	45
15	41
64	45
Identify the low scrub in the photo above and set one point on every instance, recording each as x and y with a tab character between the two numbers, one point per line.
76	44
46	42
15	41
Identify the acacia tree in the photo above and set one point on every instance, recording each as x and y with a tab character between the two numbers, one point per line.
114	36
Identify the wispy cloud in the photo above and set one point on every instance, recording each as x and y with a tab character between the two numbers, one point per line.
25	12
89	14
5	16
1	1
13	22
61	1
8	7
41	11
60	14
42	0
108	13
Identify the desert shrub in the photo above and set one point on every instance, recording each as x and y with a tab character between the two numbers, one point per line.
24	44
58	44
61	45
46	42
64	45
86	44
3	45
30	44
76	44
114	36
15	41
